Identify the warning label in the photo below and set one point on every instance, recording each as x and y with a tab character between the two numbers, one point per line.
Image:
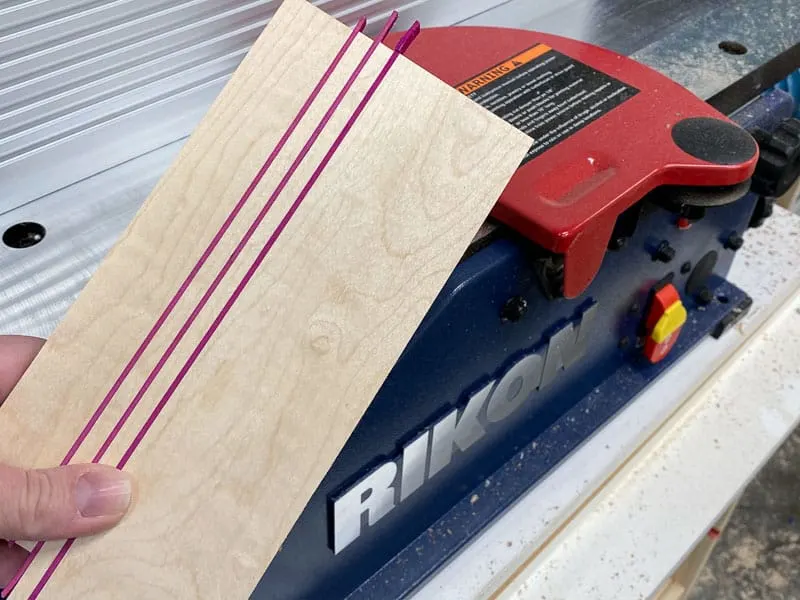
546	94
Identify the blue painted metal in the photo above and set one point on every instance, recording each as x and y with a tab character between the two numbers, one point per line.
498	491
768	110
460	346
791	85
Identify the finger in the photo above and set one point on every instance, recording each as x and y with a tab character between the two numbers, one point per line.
16	354
11	558
66	502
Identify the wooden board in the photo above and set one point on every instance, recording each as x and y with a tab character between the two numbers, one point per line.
235	455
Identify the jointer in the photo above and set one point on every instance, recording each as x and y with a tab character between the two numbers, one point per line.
603	265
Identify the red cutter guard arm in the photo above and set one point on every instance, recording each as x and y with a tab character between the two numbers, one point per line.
607	130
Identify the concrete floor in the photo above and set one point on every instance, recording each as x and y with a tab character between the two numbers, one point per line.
758	556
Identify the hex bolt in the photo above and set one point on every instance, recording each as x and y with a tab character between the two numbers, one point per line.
514	309
664	253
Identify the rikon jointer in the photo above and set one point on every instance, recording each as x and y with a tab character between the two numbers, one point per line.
604	262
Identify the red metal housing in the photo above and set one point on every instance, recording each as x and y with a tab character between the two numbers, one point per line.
567	199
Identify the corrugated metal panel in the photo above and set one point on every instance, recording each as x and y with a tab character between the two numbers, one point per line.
88	84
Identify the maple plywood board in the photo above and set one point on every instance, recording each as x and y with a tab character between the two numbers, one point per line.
234	457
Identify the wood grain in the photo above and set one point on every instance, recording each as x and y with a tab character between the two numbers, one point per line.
232	461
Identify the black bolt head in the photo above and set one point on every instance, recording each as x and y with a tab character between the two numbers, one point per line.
734	242
704	297
514	309
617	243
664	253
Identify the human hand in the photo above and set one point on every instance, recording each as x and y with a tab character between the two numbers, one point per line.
45	504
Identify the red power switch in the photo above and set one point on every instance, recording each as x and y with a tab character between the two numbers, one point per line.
664	322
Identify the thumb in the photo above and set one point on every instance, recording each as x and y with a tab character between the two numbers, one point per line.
65	502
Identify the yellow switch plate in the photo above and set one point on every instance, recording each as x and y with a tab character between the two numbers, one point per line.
672	320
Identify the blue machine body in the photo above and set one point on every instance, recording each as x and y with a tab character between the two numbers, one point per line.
461	347
791	85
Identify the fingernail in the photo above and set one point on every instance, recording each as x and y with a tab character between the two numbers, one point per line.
104	493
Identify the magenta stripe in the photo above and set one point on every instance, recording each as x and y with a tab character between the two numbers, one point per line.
212	246
359	27
250	232
401	47
187	325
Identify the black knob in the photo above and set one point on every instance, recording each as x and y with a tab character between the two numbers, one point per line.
779	162
704	297
664	253
734	242
514	309
702	271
